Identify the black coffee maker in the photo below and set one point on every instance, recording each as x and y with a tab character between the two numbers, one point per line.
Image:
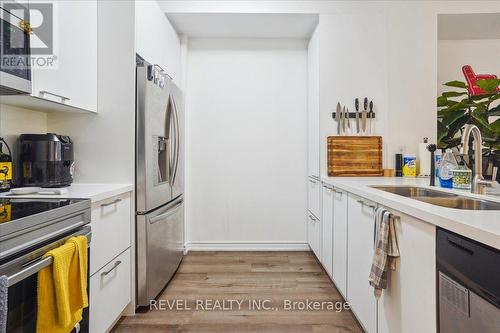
46	160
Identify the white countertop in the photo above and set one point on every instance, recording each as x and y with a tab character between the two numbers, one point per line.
482	226
94	192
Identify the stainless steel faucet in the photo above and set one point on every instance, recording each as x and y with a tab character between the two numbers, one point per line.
479	184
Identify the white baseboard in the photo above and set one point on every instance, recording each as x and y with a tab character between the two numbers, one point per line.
247	246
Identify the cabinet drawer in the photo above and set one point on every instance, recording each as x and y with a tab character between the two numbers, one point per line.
109	293
110	230
314	196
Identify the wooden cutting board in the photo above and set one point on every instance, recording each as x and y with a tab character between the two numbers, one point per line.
354	156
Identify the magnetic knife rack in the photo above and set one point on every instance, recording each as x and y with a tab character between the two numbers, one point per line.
352	115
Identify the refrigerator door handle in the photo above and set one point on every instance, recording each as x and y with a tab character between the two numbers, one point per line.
162	217
176	143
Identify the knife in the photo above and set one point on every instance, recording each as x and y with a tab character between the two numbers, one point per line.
364	114
348	122
356	105
337	117
370	119
343	121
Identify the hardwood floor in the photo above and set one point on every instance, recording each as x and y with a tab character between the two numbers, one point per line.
275	279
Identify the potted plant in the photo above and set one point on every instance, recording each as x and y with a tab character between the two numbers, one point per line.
461	106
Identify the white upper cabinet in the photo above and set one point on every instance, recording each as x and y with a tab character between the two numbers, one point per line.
313	105
327	228
359	261
72	80
409	302
340	240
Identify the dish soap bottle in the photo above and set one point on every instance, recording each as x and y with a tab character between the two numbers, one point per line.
447	165
5	167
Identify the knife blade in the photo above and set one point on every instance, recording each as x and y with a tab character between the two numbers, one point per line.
356	105
370	119
348	122
337	117
343	121
364	114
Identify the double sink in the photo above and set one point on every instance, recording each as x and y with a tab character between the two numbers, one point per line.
438	198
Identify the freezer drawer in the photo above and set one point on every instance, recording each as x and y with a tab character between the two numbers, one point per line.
160	247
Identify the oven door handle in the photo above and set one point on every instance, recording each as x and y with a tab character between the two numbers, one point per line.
33	268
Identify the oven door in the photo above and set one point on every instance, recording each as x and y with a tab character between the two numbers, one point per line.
22	274
15	55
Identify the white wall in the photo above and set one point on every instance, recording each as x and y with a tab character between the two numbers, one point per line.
104	142
353	64
155	38
482	55
246	104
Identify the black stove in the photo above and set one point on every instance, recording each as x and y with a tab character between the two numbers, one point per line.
26	221
13	209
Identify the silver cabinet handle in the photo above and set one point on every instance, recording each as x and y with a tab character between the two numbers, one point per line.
117	263
366	205
338	192
111	203
312	218
311	180
63	98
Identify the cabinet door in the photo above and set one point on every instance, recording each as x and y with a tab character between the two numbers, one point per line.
340	240
314	195
314	234
109	293
359	261
73	78
327	229
409	302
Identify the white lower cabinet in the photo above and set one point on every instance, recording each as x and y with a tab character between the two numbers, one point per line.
360	240
409	303
110	230
327	228
314	234
314	196
339	271
109	293
110	269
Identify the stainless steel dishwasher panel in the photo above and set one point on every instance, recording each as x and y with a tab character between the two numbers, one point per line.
463	311
160	246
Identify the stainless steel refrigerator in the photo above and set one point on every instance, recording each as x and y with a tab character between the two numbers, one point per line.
159	180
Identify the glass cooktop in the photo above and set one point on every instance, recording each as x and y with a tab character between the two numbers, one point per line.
12	209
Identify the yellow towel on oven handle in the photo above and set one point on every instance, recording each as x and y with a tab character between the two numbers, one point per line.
62	288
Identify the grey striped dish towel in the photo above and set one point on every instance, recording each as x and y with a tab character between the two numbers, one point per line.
385	251
4	289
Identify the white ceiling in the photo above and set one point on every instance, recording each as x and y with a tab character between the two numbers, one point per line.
469	26
244	25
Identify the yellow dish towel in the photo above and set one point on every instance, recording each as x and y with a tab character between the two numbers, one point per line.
62	288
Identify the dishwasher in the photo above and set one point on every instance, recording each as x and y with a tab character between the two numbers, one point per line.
468	274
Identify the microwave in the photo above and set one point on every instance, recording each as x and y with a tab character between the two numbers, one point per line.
15	66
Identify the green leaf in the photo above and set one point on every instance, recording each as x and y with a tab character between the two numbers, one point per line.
494	111
495	128
488	85
454	93
481	120
442	101
442	131
456	84
451	118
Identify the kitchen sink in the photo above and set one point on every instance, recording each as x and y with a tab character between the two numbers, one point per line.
438	198
413	192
